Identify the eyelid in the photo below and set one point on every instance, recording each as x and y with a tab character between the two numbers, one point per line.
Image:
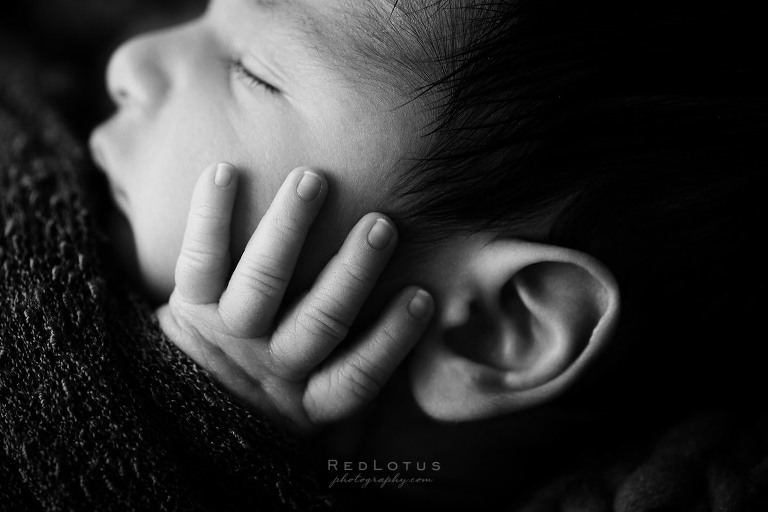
236	65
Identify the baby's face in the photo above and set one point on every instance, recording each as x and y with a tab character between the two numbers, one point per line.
247	83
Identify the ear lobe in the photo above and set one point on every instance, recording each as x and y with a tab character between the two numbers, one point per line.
532	317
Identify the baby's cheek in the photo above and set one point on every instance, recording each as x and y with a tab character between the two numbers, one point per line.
156	247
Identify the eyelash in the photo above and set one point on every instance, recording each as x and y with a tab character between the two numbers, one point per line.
236	67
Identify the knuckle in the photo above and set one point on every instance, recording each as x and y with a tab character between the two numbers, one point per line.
325	322
265	279
285	361
288	226
200	257
362	379
231	321
390	338
208	214
354	275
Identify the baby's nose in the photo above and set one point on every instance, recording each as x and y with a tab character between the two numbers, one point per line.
136	77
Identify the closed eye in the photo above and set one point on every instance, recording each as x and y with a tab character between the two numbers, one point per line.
237	69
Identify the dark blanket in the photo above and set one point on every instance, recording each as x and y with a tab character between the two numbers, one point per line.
715	461
98	410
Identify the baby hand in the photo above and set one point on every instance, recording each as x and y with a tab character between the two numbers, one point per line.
287	366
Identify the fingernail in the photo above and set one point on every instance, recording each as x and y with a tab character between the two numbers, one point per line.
380	234
420	305
309	186
223	176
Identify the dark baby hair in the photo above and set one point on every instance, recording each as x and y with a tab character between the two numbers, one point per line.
635	132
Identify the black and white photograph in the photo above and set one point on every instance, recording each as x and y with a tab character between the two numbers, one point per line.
383	255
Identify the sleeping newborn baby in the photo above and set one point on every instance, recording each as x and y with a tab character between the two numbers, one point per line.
233	135
235	129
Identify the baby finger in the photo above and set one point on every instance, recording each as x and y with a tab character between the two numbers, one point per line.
255	291
203	263
323	317
356	377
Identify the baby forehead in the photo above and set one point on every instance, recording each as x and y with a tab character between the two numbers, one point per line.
338	28
378	45
377	40
329	19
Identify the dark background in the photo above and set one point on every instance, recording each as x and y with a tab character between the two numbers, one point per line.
67	46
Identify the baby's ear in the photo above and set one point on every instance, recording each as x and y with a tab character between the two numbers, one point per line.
521	325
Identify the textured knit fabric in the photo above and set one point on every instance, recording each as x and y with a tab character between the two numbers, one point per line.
715	461
98	410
